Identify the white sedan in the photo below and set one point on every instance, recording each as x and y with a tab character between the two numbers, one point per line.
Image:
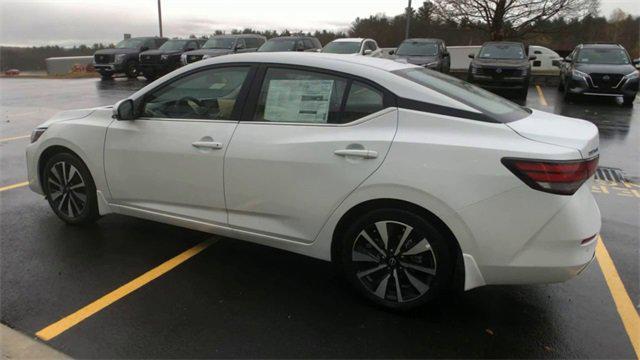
411	181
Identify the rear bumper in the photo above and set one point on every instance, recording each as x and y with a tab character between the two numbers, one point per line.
583	87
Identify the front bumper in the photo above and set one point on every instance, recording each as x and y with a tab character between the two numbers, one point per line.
504	83
157	68
32	168
111	68
581	86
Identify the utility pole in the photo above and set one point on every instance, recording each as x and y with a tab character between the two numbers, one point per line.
406	31
160	16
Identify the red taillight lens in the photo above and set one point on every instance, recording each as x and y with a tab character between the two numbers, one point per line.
557	177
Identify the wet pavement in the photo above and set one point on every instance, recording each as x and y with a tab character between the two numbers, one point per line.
236	299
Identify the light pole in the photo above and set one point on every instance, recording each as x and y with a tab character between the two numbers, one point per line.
406	31
160	17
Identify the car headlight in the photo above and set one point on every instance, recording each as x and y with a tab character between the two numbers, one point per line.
120	58
577	74
634	75
36	133
164	57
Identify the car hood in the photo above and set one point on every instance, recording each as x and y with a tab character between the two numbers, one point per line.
505	63
161	52
69	115
210	52
117	51
416	60
605	69
559	130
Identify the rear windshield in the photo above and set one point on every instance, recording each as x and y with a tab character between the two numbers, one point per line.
342	47
417	48
604	56
278	45
493	106
502	51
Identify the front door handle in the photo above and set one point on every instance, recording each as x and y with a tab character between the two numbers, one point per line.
365	154
207	145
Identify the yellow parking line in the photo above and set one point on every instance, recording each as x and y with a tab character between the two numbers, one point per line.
14	186
543	101
74	319
14	138
628	313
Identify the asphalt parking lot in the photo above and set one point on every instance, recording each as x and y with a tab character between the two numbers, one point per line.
228	299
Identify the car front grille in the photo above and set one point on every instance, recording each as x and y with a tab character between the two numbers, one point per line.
103	58
150	59
606	81
194	58
500	72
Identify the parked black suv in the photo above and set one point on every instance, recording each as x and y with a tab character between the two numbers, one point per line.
601	70
502	65
291	43
223	45
429	53
124	57
154	63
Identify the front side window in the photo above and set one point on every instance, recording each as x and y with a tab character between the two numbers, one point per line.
604	56
219	43
300	96
494	106
502	51
342	47
371	46
278	45
207	95
417	48
252	43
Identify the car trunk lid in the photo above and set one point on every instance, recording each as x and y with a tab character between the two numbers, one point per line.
559	130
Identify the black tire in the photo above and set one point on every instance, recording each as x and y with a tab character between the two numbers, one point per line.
106	76
628	100
568	96
70	189
131	69
560	84
523	93
421	276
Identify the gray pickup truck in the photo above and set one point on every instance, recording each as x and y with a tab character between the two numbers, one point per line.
123	59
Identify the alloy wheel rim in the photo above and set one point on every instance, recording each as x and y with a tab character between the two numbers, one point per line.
67	189
394	261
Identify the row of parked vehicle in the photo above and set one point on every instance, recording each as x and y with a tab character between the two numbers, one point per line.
591	69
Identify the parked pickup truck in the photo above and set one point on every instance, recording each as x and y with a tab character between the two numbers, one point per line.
124	57
155	63
224	45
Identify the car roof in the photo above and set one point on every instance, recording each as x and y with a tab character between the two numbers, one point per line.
423	40
349	40
237	36
292	37
378	70
596	45
503	42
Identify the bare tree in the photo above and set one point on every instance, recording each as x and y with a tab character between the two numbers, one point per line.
502	18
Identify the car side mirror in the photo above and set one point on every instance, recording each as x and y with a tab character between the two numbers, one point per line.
472	56
367	52
239	47
555	63
636	62
567	59
300	47
391	52
533	57
123	110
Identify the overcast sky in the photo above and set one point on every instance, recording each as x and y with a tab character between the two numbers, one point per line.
73	22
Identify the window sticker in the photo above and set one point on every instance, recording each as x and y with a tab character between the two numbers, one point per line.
298	100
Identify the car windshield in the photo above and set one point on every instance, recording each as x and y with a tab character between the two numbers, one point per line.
502	51
173	45
219	43
604	56
494	106
129	44
278	45
342	47
417	48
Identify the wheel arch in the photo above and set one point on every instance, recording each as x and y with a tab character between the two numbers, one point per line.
369	205
48	153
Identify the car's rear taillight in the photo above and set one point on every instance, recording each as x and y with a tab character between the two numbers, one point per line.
557	177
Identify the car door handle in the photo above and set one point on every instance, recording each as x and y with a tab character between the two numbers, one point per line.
365	154
207	145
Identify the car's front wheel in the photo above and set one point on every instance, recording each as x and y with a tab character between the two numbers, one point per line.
131	69
628	100
396	258
105	75
70	189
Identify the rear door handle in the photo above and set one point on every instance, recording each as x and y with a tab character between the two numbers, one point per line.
365	154
207	145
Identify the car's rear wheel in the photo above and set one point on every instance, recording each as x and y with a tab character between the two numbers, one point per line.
396	258
70	189
131	69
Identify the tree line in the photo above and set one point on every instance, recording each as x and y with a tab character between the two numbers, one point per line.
556	24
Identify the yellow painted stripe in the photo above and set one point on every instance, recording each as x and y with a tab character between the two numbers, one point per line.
14	186
628	313
543	101
74	319
14	138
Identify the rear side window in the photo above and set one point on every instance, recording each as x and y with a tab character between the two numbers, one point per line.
362	100
308	44
252	43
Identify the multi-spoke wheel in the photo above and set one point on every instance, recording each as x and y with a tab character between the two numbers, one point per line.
396	258
70	189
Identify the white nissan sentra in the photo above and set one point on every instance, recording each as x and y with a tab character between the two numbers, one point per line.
411	181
